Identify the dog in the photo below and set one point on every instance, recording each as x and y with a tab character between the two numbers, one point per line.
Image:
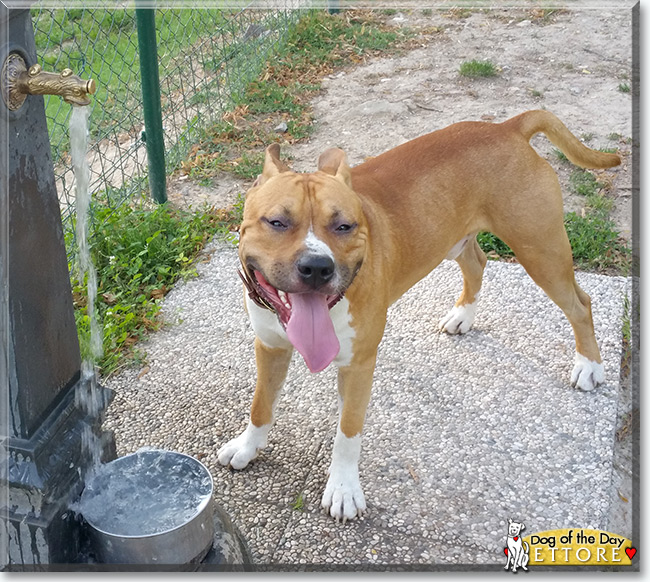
517	556
324	254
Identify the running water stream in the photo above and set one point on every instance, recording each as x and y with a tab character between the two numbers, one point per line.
88	397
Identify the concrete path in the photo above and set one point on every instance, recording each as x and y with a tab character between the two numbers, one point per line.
462	432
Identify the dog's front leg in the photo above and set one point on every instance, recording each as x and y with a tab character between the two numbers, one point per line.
343	496
272	366
517	561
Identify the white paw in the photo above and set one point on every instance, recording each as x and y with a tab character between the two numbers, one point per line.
587	374
242	450
459	319
343	497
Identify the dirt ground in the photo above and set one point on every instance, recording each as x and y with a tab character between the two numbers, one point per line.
572	63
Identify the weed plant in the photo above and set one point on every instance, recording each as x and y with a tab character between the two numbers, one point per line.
139	254
478	69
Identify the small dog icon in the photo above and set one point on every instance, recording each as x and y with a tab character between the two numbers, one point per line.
517	556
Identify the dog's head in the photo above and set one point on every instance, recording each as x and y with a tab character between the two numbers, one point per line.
514	528
302	242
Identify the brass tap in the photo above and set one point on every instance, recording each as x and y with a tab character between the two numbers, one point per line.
18	82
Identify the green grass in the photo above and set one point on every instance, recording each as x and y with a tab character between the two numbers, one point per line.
267	96
476	68
583	182
624	88
321	37
139	254
249	166
596	243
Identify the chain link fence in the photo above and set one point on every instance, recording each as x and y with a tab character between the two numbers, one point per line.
206	58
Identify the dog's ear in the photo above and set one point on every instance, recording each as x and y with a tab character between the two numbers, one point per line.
273	165
510	520
334	162
523	527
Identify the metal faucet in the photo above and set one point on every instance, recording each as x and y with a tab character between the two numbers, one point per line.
17	82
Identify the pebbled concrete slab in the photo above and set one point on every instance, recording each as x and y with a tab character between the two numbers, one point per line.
462	432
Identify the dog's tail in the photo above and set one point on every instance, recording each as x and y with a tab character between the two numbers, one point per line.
532	122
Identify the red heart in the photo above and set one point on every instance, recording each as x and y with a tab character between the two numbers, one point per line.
630	552
516	538
505	551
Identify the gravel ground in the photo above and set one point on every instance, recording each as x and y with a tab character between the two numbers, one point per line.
462	432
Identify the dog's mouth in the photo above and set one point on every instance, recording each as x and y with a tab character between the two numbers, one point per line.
304	316
266	295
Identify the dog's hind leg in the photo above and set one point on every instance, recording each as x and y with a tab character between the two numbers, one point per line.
547	258
472	262
272	367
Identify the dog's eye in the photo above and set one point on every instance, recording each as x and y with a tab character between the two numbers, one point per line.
278	224
344	227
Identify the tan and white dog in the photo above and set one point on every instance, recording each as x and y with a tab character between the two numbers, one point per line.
325	254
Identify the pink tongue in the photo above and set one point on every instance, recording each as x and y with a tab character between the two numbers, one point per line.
311	331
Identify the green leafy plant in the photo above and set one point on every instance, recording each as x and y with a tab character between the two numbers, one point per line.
139	254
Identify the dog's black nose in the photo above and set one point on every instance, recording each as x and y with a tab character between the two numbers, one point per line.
316	270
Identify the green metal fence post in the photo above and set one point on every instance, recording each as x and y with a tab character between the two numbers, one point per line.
153	129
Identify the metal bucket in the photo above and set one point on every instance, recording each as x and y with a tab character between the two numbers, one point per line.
150	507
